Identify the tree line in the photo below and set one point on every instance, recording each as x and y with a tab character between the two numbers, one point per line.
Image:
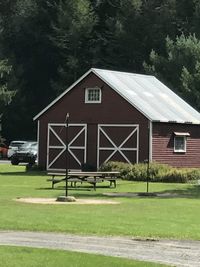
45	45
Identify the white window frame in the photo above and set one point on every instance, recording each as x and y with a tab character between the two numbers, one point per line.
179	150
87	95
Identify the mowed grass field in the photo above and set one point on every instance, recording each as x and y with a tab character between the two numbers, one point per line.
15	183
175	216
32	257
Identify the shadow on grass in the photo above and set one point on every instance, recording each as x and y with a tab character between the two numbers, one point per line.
24	173
59	188
79	191
86	195
190	192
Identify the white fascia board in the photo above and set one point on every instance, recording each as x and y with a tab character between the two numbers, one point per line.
64	93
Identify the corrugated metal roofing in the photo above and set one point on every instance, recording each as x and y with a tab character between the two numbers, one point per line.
155	100
146	93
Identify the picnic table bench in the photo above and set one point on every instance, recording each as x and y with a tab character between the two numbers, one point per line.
82	177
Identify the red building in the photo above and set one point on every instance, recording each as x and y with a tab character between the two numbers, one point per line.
118	116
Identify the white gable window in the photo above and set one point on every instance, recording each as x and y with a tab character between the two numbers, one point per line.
180	141
93	95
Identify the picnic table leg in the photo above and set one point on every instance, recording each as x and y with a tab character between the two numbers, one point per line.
53	176
113	182
75	184
95	183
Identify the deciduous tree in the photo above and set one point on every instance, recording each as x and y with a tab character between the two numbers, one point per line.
179	67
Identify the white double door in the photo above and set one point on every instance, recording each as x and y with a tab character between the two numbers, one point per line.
117	142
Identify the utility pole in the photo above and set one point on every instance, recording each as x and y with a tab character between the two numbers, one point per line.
66	154
66	198
148	158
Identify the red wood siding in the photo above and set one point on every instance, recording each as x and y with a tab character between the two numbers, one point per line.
163	145
113	110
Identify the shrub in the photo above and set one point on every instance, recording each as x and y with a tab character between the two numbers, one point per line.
175	175
157	172
122	167
34	167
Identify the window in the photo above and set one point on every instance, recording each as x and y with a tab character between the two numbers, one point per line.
179	144
93	95
180	141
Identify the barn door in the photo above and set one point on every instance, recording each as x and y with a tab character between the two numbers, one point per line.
117	142
56	146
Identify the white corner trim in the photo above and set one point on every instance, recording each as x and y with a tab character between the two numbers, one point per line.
150	130
38	139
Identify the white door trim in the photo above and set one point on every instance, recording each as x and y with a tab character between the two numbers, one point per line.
62	145
114	147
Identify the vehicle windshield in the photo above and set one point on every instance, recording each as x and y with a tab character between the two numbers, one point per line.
27	146
34	146
16	144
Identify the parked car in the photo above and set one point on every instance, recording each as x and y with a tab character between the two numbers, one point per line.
3	150
14	146
26	153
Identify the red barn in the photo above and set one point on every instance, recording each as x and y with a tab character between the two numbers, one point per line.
118	116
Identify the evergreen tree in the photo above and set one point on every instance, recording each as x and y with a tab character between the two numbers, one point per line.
72	39
25	41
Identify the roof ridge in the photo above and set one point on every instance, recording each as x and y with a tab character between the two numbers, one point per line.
123	72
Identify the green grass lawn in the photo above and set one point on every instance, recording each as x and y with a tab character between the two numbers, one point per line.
156	217
31	257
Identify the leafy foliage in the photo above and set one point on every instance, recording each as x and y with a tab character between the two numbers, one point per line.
5	94
180	67
157	172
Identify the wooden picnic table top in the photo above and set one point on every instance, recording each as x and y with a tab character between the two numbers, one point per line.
83	173
98	173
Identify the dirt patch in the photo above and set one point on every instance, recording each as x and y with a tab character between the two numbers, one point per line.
53	201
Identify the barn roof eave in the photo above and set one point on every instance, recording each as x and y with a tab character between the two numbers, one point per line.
178	122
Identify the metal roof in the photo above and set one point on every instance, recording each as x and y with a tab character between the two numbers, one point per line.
146	93
150	96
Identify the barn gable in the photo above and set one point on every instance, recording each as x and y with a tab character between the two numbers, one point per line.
146	93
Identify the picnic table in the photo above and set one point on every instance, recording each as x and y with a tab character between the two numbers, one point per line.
85	177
